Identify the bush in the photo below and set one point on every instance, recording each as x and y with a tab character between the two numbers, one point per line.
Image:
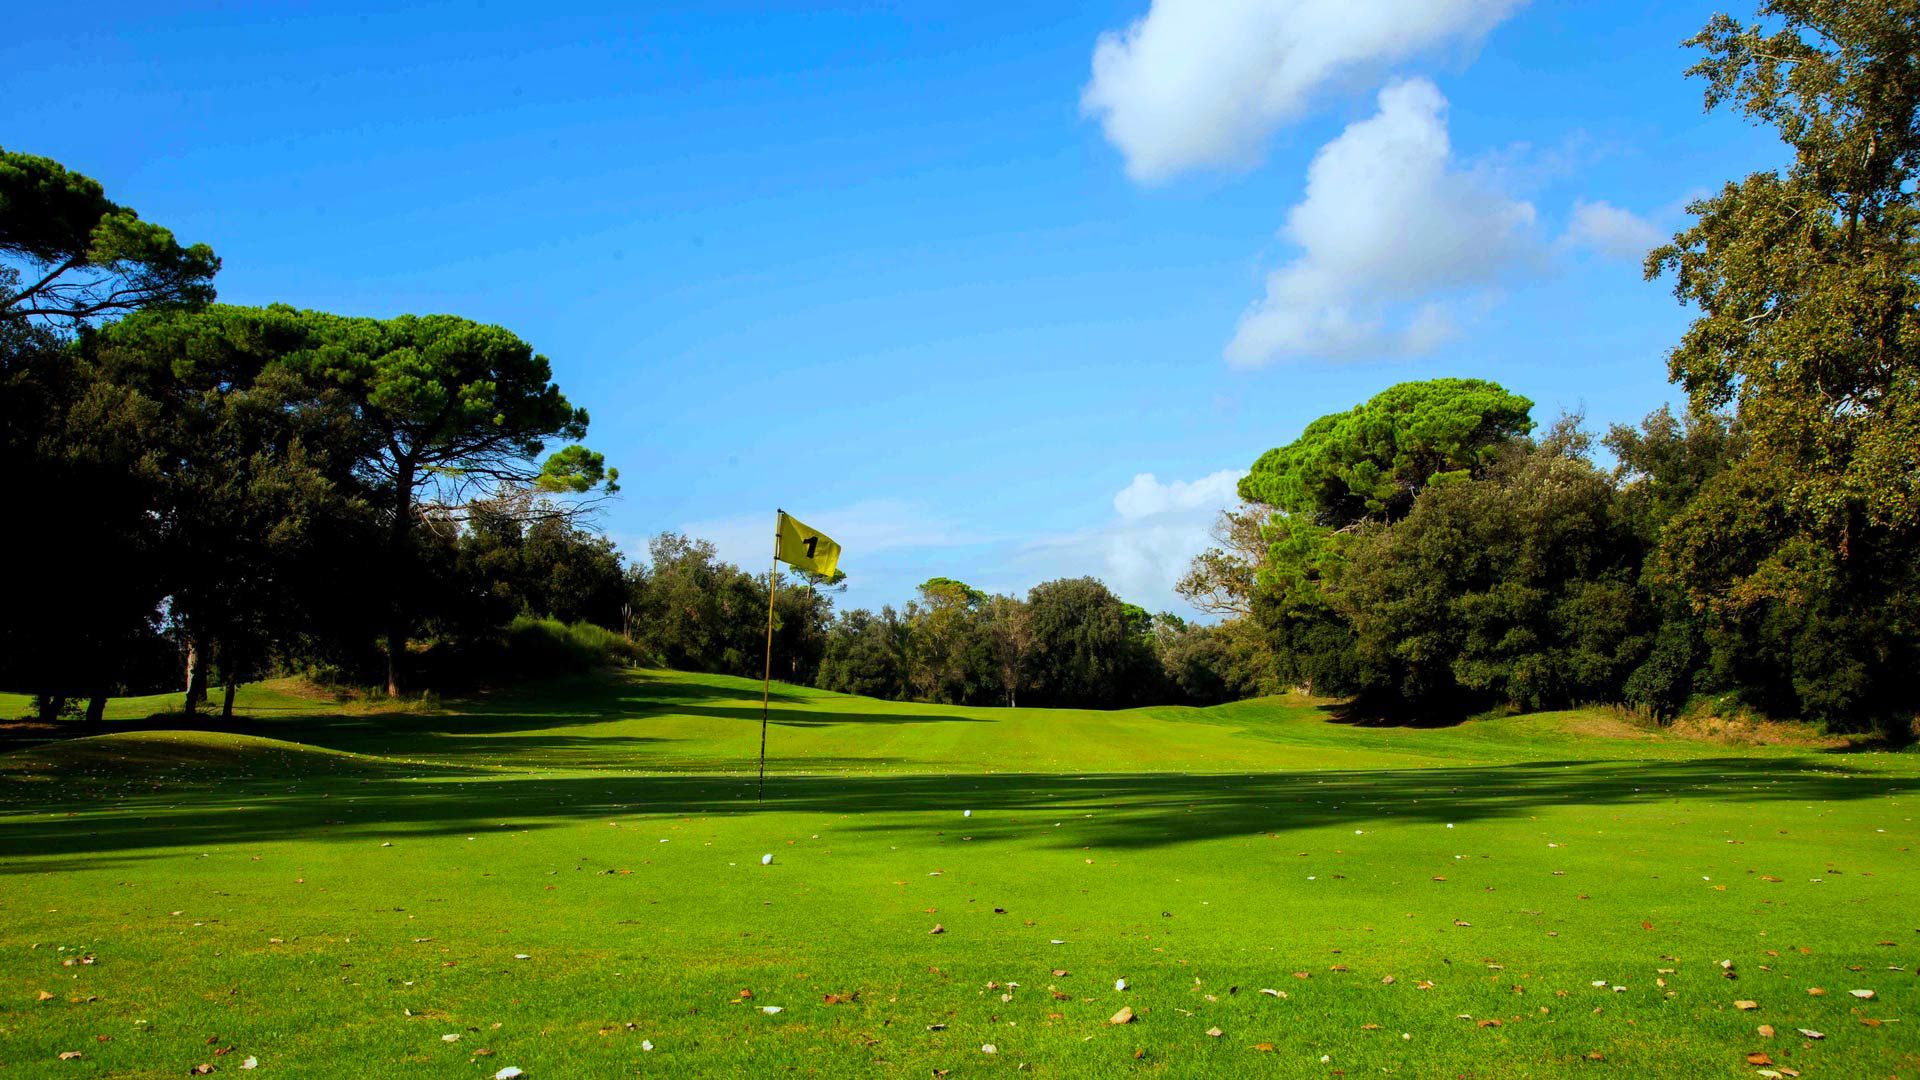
536	647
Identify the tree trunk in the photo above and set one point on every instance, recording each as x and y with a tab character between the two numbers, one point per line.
196	676
96	710
50	706
397	559
226	704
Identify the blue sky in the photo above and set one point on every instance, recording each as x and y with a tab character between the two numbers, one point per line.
926	274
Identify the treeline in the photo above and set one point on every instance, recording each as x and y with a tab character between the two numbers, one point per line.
208	494
1431	551
1070	642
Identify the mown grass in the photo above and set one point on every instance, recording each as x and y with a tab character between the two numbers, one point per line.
559	873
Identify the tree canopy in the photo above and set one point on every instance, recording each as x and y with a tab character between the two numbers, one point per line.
71	254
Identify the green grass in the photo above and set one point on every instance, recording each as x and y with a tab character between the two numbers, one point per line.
332	888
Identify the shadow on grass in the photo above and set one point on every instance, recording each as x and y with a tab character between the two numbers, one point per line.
119	822
520	720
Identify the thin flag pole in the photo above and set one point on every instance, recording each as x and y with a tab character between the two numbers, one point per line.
766	676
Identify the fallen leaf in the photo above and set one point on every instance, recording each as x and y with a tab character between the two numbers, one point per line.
937	929
1861	994
1812	1034
1746	1006
1265	1048
1124	1016
69	1055
1765	1030
1214	1032
1759	1057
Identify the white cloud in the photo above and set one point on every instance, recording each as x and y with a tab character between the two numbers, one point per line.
1609	230
1206	82
1145	549
1392	234
1147	496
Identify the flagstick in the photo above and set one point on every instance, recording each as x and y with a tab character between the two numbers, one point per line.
766	677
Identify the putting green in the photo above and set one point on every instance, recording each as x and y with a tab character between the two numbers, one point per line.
564	875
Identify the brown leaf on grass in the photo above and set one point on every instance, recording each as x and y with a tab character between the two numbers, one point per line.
1059	973
1864	995
1746	1006
1124	1016
1301	975
1815	991
44	996
1214	1032
69	1055
1265	1048
1759	1057
1765	1030
840	999
1387	980
1595	1055
200	1070
1645	925
937	929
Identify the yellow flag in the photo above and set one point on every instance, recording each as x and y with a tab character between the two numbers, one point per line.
807	548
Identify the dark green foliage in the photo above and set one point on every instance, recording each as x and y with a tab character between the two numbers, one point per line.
1514	587
1805	547
866	654
1086	650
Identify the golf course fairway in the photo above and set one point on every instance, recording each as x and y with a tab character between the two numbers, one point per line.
570	879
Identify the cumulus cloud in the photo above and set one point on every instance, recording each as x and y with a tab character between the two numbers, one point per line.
1205	82
1392	234
1146	496
1605	228
1158	528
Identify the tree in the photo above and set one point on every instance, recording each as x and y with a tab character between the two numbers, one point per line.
247	463
83	457
1368	463
865	654
1346	472
1515	587
1008	626
455	410
947	654
1809	330
72	255
1086	650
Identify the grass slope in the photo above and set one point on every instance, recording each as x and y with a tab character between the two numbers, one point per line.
557	874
